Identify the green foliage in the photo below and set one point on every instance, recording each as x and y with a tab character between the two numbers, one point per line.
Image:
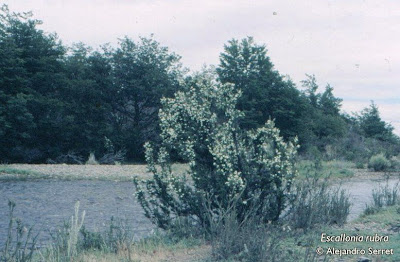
29	76
313	117
20	243
86	95
201	124
324	124
265	93
56	100
373	126
354	146
73	232
383	196
142	73
395	162
360	165
118	236
314	204
248	240
115	93
91	240
379	162
66	244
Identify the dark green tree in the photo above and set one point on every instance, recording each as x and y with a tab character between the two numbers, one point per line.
266	95
328	103
54	101
87	94
373	126
31	73
142	73
324	122
310	83
12	79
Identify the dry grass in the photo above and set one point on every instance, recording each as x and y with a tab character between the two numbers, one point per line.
197	253
128	172
72	172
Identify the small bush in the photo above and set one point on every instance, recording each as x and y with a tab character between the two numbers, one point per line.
186	228
379	162
386	196
91	240
360	165
370	210
383	196
249	239
118	236
72	239
92	160
315	204
65	242
395	162
346	172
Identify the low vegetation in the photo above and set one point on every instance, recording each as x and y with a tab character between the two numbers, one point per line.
316	204
332	170
8	173
226	238
379	162
383	196
73	242
20	242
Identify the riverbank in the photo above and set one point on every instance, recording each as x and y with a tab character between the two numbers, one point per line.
45	195
334	170
18	172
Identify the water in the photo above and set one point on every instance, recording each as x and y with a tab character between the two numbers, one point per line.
46	204
360	192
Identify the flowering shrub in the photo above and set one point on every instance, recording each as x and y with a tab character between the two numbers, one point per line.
200	124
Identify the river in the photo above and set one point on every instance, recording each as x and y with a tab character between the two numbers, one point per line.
46	204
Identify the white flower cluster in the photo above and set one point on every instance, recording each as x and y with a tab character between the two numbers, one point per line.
202	125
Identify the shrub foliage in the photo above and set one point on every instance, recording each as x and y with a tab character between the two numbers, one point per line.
201	126
379	162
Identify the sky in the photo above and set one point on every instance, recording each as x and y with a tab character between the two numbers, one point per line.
352	45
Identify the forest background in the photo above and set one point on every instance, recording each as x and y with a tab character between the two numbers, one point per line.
59	103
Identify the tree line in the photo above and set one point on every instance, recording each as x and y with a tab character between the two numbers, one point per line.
57	100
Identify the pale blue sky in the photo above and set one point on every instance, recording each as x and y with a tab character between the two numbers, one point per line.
353	45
